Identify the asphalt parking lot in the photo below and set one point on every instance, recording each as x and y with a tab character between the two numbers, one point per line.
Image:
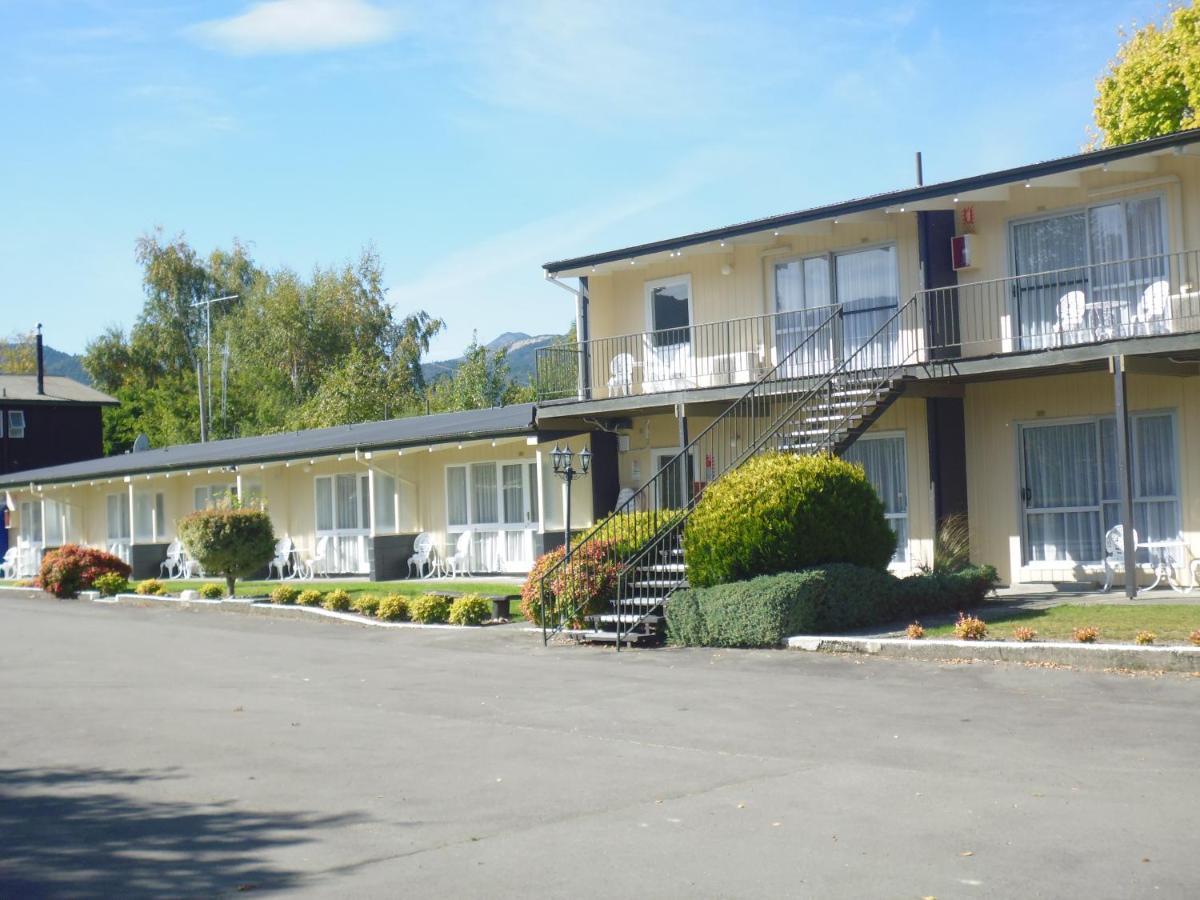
166	752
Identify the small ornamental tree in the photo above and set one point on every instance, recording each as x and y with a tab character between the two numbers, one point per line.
71	568
231	542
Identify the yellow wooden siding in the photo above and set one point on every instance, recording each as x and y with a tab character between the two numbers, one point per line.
993	411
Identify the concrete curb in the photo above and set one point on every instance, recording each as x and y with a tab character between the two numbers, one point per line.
1083	656
251	606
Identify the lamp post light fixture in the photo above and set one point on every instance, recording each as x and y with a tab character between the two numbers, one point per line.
563	459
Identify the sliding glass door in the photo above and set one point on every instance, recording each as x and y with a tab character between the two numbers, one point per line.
1087	274
343	516
861	285
1071	492
497	503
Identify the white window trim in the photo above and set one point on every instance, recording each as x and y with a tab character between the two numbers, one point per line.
527	521
648	294
362	497
905	563
1044	565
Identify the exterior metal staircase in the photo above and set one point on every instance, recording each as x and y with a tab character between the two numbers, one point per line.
804	405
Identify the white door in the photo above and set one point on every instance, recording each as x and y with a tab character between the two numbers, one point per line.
668	361
802	303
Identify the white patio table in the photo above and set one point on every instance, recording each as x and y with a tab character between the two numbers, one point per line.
1164	563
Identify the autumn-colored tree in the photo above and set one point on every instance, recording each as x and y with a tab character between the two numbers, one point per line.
1152	87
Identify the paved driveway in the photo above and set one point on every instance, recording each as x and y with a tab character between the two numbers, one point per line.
156	752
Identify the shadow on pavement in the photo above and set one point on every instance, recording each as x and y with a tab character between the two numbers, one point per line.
73	832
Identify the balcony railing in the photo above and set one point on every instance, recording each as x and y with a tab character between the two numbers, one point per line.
1088	304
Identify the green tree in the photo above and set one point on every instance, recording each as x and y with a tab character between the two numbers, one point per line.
1152	87
232	542
481	381
18	354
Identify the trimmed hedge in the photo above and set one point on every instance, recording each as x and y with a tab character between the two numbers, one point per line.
336	601
393	608
429	608
470	609
783	512
310	597
763	611
211	591
284	594
365	604
110	584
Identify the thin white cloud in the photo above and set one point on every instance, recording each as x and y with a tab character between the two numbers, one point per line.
299	26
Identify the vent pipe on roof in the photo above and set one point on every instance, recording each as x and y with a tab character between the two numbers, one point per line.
41	363
920	171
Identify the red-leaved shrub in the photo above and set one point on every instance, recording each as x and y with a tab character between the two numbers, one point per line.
71	568
577	589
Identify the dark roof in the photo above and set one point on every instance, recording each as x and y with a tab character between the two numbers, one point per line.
59	389
391	433
875	201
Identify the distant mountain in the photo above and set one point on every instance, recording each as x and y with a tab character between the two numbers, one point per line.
522	353
68	364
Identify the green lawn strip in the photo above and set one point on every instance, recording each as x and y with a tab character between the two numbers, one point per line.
379	588
1171	623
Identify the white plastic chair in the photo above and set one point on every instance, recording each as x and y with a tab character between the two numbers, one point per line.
1114	554
11	564
1154	309
317	564
172	566
282	558
460	561
422	554
620	381
1071	309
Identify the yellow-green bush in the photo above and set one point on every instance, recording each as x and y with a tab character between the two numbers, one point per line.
393	608
336	601
110	584
151	587
627	531
781	512
366	604
429	608
470	609
285	594
310	598
211	591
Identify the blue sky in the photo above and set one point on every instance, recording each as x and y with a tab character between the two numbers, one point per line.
472	141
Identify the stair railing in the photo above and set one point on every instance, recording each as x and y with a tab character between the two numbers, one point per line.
602	554
863	376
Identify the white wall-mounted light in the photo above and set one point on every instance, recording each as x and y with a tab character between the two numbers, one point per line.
727	269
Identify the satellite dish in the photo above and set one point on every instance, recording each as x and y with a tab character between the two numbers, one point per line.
141	443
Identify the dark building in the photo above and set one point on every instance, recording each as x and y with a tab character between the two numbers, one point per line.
47	420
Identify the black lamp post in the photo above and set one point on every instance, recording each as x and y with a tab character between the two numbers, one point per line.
564	467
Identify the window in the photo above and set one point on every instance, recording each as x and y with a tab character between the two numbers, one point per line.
16	423
669	304
30	531
149	517
1087	251
868	294
54	515
803	295
210	496
117	508
499	494
341	502
456	496
885	461
484	502
385	502
673	489
1071	491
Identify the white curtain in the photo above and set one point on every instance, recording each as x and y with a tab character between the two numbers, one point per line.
483	493
884	461
802	302
514	490
117	506
1074	491
1062	499
143	516
324	504
456	495
385	503
1047	246
346	509
53	513
867	294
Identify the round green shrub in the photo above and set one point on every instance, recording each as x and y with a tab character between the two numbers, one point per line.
429	608
71	568
284	594
470	609
337	601
110	584
393	608
151	587
781	512
212	591
233	542
309	598
365	604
